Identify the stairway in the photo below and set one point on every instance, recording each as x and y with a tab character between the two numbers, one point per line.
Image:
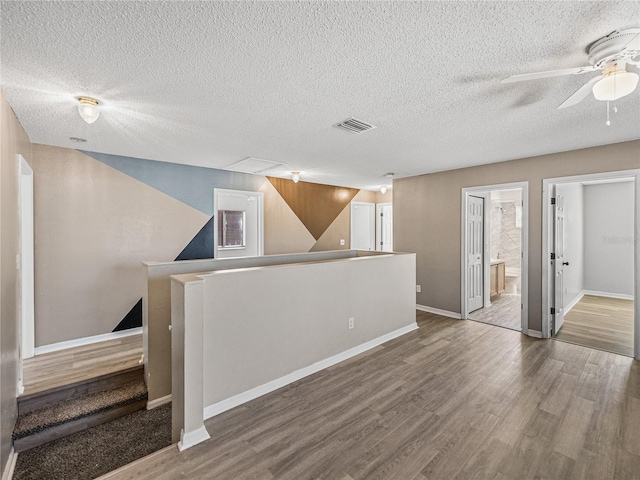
60	411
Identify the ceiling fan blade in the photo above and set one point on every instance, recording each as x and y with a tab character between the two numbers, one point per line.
580	94
634	43
548	74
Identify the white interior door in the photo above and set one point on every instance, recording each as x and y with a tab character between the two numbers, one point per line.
558	263
239	225
475	252
384	227
363	230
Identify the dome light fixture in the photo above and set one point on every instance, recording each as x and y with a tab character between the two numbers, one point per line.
295	176
615	85
88	109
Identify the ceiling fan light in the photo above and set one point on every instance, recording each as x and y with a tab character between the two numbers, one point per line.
88	109
615	85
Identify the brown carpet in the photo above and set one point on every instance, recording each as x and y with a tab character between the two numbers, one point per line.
99	450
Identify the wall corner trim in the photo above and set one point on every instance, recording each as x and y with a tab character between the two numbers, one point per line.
158	402
54	347
534	333
437	311
11	465
244	397
193	438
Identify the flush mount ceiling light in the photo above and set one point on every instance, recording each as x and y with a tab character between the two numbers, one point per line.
88	109
295	176
383	189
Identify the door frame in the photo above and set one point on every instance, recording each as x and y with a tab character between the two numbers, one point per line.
379	207
372	223
259	196
547	244
26	265
524	234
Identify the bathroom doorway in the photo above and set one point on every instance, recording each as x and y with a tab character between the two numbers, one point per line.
498	261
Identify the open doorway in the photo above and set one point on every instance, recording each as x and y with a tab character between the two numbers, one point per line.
494	263
590	261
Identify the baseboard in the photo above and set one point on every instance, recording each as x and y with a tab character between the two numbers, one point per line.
158	402
621	296
11	465
574	302
437	311
193	438
54	347
244	397
534	333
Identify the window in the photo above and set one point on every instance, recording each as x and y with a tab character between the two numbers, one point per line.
231	232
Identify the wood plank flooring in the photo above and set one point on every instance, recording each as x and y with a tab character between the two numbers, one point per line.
81	363
503	312
600	322
451	400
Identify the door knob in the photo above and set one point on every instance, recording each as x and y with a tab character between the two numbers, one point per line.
565	263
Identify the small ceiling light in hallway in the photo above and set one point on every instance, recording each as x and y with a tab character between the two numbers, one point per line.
88	109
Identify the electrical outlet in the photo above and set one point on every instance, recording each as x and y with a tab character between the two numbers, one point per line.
418	289
352	323
342	241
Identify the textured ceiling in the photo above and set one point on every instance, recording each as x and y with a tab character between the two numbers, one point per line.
210	83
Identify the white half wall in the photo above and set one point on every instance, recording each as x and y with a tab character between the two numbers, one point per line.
573	240
609	238
241	331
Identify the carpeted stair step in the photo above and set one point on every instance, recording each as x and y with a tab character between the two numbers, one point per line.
40	399
39	426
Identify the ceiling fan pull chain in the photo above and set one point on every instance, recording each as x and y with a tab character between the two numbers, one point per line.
608	123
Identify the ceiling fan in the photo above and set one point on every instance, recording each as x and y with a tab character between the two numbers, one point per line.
610	54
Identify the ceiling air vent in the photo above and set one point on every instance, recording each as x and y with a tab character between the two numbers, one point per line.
354	125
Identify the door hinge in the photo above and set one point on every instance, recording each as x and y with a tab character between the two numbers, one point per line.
553	201
553	256
553	311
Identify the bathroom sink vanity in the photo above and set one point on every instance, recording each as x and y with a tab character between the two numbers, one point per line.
497	285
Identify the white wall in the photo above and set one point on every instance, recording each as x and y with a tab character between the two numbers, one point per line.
227	350
609	238
573	240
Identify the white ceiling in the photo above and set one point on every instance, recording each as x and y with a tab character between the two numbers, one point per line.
210	83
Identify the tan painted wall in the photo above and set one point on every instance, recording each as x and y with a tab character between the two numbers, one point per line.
427	215
13	141
94	227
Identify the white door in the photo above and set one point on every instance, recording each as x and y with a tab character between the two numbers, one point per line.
475	253
558	262
363	230
238	230
384	227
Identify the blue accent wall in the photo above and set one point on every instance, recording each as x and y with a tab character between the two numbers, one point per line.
191	185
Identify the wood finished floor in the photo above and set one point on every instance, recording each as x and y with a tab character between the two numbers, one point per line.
71	365
451	400
503	312
602	323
